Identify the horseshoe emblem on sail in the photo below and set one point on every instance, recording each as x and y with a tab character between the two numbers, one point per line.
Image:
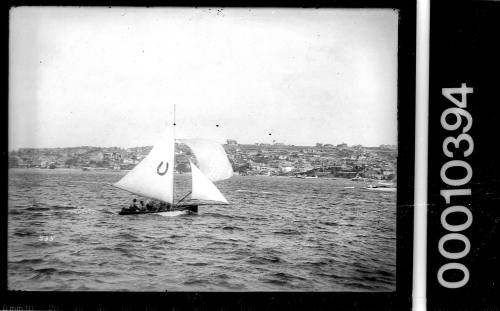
158	169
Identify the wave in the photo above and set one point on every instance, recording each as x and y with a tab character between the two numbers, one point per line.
275	282
72	272
218	243
163	241
334	276
103	248
222	276
196	282
15	211
217	215
88	182
124	245
383	273
46	270
287	276
197	264
287	232
262	260
83	288
24	232
230	286
126	235
281	278
37	208
362	286
174	236
329	223
85	211
253	191
231	228
27	261
64	207
127	252
172	213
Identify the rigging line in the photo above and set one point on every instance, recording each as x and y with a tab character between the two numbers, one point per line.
173	164
174	115
184	197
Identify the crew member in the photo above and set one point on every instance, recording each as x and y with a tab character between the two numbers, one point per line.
133	206
164	206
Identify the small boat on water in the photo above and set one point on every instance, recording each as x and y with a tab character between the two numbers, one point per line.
88	168
153	177
192	208
306	177
382	186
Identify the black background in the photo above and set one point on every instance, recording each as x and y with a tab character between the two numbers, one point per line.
399	300
464	48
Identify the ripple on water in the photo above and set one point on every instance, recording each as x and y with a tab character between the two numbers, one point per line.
263	260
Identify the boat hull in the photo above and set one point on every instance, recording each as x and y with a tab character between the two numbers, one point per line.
193	208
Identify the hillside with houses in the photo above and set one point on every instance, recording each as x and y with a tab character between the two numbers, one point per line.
278	159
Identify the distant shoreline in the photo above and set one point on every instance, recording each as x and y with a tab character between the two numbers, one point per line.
112	170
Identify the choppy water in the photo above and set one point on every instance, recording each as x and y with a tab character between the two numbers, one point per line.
284	234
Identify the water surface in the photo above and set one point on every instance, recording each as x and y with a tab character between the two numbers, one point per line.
279	233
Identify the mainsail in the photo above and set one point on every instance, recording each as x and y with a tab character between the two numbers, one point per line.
153	177
211	158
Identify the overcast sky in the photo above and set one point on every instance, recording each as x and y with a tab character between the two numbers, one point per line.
111	77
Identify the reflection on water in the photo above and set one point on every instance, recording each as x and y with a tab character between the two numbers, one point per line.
278	234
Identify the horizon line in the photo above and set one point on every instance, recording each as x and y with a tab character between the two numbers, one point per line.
251	144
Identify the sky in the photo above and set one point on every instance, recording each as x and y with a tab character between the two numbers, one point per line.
112	76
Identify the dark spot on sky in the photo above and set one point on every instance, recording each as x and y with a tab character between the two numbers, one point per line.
174	124
217	125
269	134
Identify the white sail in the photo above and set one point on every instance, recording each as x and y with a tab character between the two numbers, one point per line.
211	158
153	177
203	187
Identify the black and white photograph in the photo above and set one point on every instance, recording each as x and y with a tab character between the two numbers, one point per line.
203	149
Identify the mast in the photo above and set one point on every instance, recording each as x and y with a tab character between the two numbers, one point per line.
173	164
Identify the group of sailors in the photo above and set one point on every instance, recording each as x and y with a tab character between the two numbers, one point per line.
152	206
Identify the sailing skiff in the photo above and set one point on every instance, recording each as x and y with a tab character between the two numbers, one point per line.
153	177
